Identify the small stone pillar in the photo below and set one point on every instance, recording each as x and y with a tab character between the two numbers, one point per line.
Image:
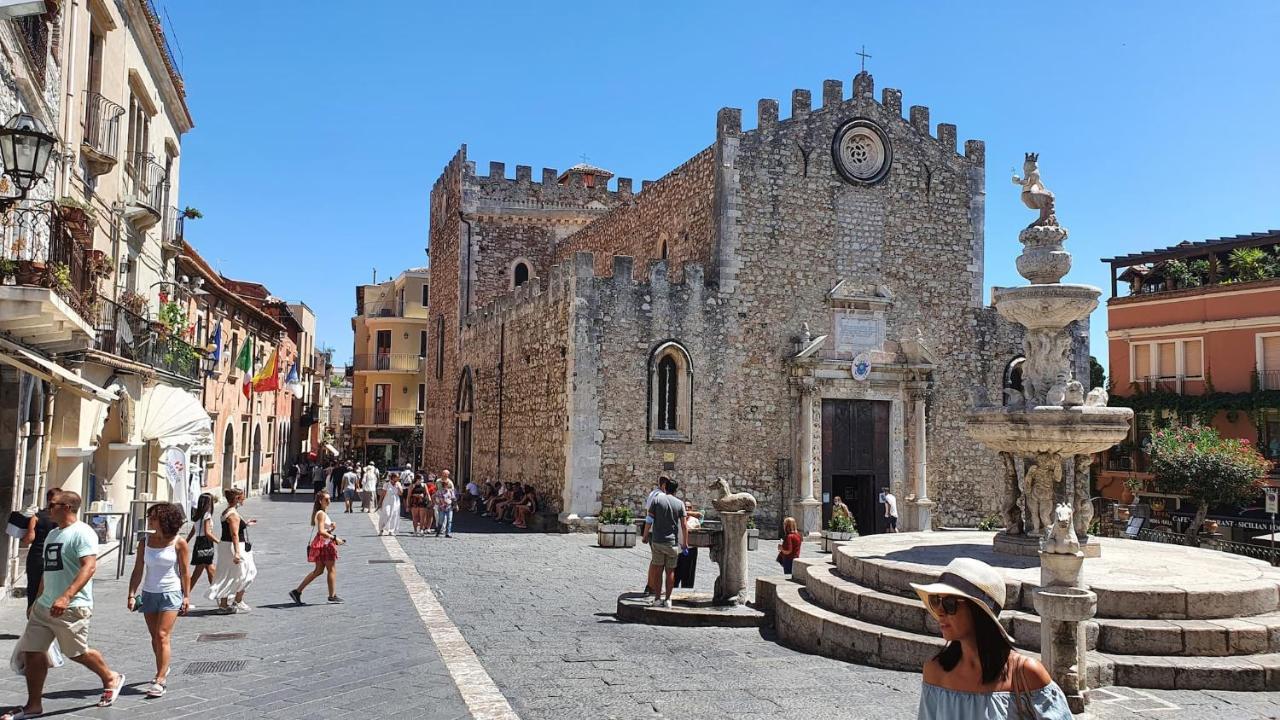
808	507
731	554
1064	603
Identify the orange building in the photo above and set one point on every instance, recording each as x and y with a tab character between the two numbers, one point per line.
1198	319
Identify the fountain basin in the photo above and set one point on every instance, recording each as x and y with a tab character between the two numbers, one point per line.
1080	430
1065	604
1046	306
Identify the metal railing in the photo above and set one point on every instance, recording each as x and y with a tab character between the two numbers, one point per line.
394	417
1258	552
1269	380
1120	462
173	225
129	335
35	238
149	181
34	32
1153	383
389	362
102	124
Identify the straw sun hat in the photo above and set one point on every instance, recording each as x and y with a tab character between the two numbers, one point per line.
971	579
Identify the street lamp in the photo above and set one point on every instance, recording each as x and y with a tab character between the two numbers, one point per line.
26	148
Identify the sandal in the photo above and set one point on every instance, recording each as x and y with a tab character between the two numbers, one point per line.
20	714
110	694
156	690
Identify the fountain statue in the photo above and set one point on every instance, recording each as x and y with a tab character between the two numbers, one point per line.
1046	432
729	548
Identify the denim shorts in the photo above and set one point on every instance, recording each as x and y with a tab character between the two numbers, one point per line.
161	602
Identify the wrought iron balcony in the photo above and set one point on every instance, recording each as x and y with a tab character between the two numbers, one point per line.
146	184
173	226
37	244
388	417
386	362
101	144
34	33
129	335
1155	383
1269	380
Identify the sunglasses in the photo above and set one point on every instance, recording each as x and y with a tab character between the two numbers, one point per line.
945	604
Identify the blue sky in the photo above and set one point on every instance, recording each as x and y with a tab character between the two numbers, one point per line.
321	126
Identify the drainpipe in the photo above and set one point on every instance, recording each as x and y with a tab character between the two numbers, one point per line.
502	361
44	441
70	99
26	386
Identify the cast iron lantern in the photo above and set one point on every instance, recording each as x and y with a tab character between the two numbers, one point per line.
26	148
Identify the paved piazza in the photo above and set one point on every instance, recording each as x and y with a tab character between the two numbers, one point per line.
536	611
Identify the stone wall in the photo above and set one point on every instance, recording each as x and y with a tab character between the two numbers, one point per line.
446	231
675	210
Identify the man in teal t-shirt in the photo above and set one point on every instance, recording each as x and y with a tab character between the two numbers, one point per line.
64	607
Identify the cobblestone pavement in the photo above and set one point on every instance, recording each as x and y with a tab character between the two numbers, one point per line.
538	612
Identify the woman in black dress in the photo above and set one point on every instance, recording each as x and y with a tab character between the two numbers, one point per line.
38	528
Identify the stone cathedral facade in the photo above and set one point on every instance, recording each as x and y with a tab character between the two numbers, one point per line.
798	309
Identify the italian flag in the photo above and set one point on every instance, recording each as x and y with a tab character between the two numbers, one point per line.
268	378
245	363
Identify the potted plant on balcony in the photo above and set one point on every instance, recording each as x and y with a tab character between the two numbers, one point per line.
78	218
839	529
8	268
98	264
134	302
617	528
29	271
57	277
753	534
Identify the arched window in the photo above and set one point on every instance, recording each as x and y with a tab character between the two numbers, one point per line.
1013	377
670	394
519	274
664	252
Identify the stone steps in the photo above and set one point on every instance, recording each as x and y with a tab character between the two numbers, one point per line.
802	623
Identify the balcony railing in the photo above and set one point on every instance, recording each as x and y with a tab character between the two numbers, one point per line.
36	239
102	125
34	31
173	225
1155	383
1269	380
148	181
389	363
129	335
393	417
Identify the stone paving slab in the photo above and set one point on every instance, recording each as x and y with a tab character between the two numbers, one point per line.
317	661
538	610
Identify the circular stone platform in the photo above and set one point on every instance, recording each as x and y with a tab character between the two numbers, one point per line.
688	610
1133	579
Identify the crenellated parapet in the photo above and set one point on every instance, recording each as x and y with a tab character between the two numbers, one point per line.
729	120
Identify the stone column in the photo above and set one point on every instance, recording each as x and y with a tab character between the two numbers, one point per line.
808	507
923	505
731	584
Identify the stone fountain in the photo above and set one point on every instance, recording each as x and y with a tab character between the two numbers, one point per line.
1045	434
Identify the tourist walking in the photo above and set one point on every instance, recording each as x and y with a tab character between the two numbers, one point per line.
789	548
322	550
667	536
38	529
350	481
419	505
445	499
235	566
202	549
979	674
63	609
317	477
160	570
890	509
368	486
389	508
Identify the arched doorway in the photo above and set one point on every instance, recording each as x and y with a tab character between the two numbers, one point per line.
228	458
255	465
462	457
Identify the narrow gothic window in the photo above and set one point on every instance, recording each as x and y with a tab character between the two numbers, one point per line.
664	252
520	274
668	385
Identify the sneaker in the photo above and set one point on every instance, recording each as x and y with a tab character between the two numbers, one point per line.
335	600
657	602
666	603
448	535
243	607
225	610
296	597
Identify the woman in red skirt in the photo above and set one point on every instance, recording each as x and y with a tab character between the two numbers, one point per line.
323	550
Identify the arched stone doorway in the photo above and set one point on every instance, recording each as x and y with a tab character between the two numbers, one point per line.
255	466
462	456
228	458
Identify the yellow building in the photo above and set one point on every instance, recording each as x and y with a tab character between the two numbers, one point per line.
390	359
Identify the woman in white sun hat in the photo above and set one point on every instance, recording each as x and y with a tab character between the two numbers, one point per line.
979	674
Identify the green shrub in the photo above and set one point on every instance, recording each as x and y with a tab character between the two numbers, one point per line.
1194	460
841	524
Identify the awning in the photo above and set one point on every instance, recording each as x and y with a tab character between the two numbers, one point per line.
173	416
331	449
18	356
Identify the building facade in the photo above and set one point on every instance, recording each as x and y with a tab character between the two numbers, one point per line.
798	309
1189	323
390	358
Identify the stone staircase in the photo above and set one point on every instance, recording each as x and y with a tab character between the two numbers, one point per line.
859	607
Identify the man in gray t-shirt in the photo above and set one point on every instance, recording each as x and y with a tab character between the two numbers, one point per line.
667	536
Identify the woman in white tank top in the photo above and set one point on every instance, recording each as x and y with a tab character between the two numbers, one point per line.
160	571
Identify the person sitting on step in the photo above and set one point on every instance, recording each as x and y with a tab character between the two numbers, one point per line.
526	507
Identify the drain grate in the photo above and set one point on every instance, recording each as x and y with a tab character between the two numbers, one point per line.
214	637
385	562
214	666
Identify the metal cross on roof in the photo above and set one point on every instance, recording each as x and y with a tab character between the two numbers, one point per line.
863	54
584	158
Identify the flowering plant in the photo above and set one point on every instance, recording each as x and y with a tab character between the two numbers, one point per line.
1194	460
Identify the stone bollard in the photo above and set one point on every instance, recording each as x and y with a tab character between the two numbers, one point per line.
1064	604
731	554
